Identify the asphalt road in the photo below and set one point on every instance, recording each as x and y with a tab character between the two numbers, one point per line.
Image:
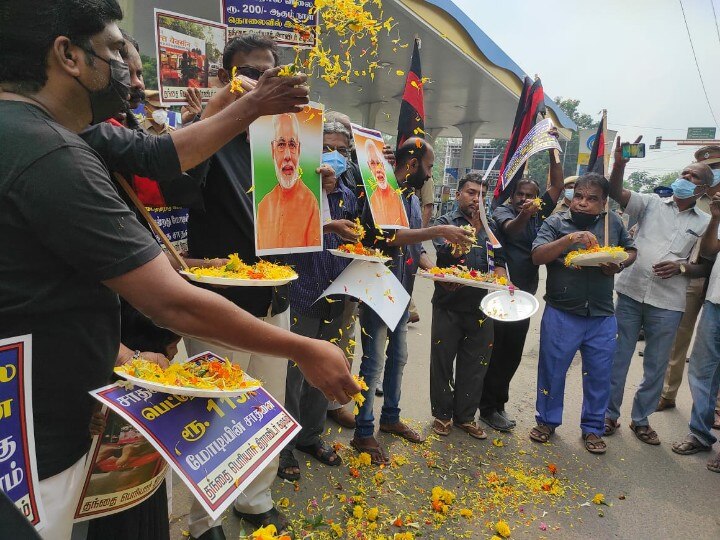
650	491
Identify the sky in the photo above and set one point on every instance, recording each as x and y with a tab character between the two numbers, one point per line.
632	57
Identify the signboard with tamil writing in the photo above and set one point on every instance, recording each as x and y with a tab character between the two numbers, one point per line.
700	133
290	23
18	468
216	446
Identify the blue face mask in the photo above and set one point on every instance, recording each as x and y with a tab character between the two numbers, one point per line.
716	176
569	194
683	189
336	160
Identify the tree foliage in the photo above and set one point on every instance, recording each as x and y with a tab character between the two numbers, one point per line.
644	182
149	67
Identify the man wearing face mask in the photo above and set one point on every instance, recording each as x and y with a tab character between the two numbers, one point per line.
579	314
60	70
563	204
413	167
652	295
709	155
156	116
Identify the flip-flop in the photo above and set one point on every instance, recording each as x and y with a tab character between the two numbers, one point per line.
322	452
714	464
288	461
594	444
441	427
611	426
646	434
377	454
541	433
690	445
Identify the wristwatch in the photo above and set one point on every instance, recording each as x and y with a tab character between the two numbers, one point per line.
683	269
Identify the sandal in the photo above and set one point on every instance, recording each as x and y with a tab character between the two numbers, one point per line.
370	446
646	434
288	461
716	423
472	429
541	433
322	452
690	445
714	464
441	427
594	444
611	426
401	429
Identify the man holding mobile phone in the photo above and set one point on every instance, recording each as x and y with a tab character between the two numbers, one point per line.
651	294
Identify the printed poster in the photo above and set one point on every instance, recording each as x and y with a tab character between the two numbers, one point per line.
286	151
216	446
189	55
122	471
290	23
18	468
536	140
381	186
173	221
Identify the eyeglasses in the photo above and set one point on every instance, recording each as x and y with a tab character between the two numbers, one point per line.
283	145
342	150
251	72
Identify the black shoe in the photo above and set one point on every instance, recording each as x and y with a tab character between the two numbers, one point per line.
506	417
216	533
271	517
498	422
379	392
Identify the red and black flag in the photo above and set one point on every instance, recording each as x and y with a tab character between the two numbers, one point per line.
596	163
531	103
411	122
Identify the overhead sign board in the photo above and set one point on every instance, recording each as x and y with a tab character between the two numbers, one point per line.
696	133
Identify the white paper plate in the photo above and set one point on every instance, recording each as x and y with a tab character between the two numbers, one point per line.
467	282
359	257
182	391
596	259
233	282
507	306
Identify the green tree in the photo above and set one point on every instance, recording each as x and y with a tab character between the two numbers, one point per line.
641	181
149	67
583	121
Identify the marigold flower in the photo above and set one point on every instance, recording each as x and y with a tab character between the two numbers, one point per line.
372	514
466	513
502	528
358	512
599	498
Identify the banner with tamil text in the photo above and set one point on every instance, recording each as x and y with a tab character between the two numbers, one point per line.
290	23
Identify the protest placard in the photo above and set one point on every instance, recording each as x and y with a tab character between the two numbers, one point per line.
290	23
381	186
286	151
189	55
376	286
123	469
18	468
173	221
216	446
536	140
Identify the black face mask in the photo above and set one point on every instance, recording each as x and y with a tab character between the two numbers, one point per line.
109	101
582	219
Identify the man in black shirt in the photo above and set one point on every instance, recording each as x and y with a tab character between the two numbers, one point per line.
71	245
461	334
518	222
579	312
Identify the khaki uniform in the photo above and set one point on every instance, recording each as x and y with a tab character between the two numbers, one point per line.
150	128
562	206
695	298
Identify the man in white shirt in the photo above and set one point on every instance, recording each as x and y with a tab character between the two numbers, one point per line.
652	293
704	370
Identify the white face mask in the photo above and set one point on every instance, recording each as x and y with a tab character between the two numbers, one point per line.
160	116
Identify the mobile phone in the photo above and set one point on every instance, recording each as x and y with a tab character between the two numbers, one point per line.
633	150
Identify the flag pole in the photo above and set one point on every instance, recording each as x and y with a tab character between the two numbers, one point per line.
606	159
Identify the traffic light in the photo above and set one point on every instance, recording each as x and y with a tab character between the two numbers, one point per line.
658	142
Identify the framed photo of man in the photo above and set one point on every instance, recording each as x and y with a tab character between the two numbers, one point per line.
381	187
286	151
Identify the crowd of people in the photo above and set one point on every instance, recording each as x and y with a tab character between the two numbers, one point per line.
78	258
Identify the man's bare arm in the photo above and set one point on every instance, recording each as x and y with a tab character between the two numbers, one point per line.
451	233
195	312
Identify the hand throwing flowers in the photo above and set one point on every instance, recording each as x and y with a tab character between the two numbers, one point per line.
458	250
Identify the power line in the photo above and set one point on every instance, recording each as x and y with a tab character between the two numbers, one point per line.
717	29
646	127
702	82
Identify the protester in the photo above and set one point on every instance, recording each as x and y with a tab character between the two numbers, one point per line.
60	69
413	167
579	311
704	370
222	222
461	335
652	294
695	296
518	223
321	319
563	204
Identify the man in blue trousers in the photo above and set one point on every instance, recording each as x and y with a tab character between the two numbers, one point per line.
579	314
